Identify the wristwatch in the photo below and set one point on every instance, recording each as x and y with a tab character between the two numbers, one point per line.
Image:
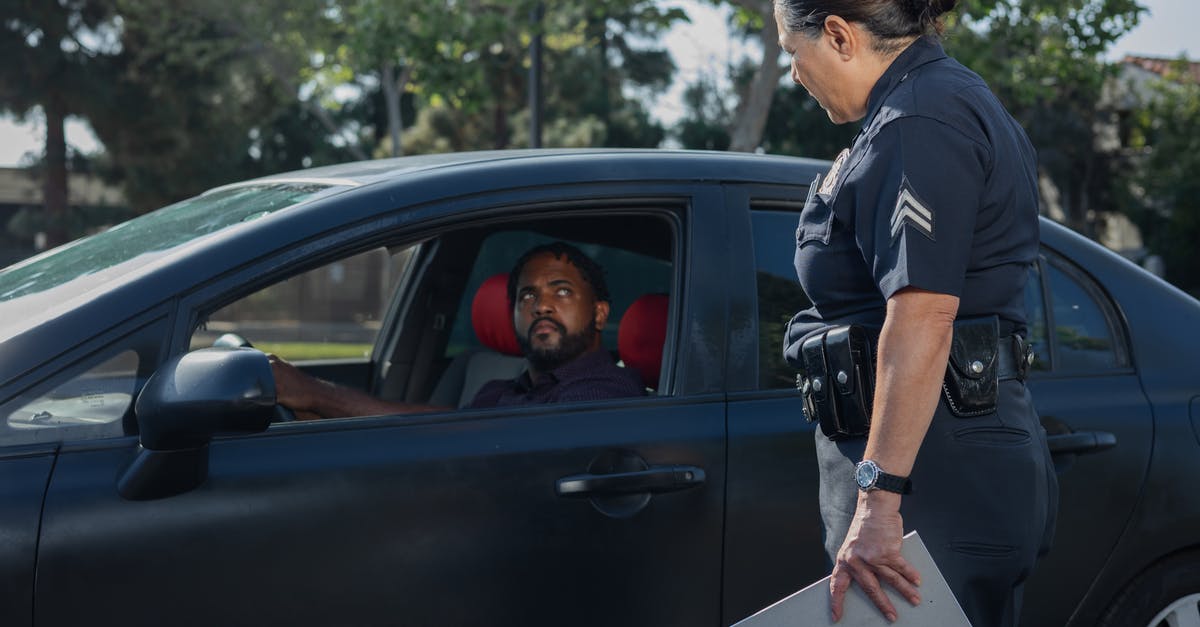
869	476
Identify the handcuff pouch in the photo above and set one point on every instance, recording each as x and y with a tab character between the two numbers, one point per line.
972	385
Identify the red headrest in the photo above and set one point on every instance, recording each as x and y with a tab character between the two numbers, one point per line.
492	316
641	335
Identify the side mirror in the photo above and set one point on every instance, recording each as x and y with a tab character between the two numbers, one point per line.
190	399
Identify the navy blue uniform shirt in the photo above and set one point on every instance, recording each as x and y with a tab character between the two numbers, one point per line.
590	377
938	192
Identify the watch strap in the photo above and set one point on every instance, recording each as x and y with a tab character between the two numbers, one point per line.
893	483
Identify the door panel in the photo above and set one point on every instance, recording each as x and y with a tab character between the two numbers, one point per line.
454	520
1097	491
23	475
774	543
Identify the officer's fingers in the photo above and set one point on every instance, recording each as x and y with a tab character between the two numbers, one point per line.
870	585
906	570
839	583
896	580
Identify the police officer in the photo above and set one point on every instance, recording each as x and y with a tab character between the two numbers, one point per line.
919	238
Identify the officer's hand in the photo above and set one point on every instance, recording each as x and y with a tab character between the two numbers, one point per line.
871	556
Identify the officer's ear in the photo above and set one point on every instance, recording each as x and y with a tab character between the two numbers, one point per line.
842	36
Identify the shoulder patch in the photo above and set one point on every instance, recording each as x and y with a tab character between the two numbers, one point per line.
834	170
911	211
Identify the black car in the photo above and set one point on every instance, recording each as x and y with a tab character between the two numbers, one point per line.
146	480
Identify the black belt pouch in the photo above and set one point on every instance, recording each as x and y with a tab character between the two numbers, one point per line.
818	403
851	371
972	384
839	381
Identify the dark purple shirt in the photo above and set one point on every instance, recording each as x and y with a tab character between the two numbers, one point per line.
590	377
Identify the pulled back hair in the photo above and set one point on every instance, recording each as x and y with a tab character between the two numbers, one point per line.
591	271
890	22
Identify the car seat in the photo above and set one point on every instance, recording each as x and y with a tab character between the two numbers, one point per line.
641	336
499	358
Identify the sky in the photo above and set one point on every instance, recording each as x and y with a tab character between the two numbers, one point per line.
702	48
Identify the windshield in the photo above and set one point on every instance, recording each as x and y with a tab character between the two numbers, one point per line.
90	262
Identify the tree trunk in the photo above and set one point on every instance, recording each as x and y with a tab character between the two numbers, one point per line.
54	194
750	118
393	88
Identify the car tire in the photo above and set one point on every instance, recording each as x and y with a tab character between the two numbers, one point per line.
1160	596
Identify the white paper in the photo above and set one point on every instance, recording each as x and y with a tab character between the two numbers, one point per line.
810	607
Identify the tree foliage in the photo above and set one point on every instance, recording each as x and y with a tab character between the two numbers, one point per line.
1044	59
54	55
1161	189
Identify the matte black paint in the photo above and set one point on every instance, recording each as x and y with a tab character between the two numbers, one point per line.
454	519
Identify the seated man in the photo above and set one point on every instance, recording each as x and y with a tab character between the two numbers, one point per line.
560	303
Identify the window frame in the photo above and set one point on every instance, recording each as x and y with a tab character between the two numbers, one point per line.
1108	309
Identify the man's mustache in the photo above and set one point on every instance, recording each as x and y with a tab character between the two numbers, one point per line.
562	330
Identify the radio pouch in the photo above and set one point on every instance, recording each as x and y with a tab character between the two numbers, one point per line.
972	385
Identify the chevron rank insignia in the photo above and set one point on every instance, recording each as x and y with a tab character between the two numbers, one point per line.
913	212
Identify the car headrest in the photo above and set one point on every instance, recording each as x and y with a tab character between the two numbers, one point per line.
641	336
492	316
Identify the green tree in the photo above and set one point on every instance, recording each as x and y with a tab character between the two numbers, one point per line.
597	59
1161	191
54	56
1044	59
206	93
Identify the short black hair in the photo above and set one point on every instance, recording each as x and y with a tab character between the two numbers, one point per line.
591	271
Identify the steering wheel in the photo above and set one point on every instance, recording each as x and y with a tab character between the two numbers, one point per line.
233	340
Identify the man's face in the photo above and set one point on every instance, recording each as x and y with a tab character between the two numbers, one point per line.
556	315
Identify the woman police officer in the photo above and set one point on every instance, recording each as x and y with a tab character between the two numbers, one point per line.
922	232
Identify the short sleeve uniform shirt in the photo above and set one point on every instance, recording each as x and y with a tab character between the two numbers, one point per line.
937	192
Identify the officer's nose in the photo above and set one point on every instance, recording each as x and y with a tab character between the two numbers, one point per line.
795	74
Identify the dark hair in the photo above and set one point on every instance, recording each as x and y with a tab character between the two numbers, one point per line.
887	20
591	271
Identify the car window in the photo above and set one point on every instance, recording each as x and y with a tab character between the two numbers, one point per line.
90	404
779	294
629	275
331	312
1084	339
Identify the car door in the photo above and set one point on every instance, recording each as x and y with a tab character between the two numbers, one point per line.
1099	428
773	544
598	513
85	395
24	471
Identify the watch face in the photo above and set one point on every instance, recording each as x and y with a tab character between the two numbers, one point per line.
865	474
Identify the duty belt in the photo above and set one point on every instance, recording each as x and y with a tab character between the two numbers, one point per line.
1015	357
838	376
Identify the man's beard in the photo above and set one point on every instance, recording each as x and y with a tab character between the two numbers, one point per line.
569	347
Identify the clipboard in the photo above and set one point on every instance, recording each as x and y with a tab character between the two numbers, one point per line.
809	607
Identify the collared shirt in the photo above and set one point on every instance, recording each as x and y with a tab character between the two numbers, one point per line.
938	192
589	377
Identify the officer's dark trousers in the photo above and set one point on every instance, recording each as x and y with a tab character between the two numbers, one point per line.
984	500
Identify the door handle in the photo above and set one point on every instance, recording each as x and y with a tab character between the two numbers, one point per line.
657	479
1081	442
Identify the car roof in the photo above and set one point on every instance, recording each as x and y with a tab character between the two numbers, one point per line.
673	164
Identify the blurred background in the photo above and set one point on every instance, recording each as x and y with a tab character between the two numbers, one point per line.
112	108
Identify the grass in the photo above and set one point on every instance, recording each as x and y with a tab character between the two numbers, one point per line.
305	351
